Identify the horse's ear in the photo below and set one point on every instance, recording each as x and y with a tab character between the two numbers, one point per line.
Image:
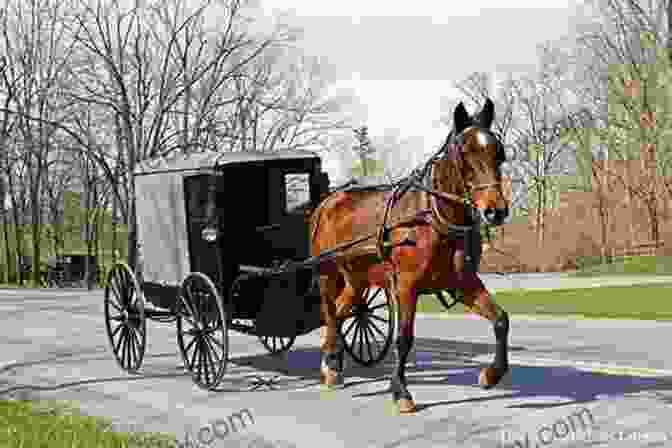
460	118
487	114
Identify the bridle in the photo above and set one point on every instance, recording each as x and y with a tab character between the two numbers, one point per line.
453	149
418	179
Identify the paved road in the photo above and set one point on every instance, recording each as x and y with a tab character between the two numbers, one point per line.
570	381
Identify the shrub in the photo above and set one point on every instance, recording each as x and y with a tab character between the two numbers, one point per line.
587	261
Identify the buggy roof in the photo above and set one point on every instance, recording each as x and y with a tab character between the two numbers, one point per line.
212	160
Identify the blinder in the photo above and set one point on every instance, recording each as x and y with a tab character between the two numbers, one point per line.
501	152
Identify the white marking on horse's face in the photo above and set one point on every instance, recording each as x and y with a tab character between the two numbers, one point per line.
482	138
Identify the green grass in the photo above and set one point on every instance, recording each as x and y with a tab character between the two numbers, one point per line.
48	424
622	302
638	265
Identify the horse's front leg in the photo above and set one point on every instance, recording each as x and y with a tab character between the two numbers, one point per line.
479	300
406	301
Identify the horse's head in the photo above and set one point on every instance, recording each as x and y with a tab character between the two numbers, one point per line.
474	155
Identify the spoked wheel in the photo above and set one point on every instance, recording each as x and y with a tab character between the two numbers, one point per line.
125	317
202	331
276	345
368	333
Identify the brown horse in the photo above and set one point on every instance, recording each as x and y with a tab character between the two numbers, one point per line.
468	162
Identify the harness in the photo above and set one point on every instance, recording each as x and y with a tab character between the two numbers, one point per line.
469	232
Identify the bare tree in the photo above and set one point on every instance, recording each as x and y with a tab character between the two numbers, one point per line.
148	64
396	154
622	61
590	172
476	88
118	82
363	148
6	126
280	100
61	174
36	51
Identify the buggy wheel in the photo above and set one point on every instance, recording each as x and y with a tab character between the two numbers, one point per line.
368	333
124	305
202	331
277	344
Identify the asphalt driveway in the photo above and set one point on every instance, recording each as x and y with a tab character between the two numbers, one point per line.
576	383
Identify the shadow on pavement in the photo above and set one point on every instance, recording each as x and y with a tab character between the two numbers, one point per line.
434	362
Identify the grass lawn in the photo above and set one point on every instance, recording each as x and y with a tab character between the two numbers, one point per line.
29	424
639	265
626	302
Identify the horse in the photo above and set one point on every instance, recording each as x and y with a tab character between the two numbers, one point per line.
468	162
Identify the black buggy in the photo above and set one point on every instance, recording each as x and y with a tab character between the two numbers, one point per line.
224	243
70	270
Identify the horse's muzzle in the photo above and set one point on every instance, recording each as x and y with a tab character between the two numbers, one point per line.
495	216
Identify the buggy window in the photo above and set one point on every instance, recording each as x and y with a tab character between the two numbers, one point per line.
297	189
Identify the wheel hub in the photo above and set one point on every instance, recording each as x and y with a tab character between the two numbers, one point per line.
359	308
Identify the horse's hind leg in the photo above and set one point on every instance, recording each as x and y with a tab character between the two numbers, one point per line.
331	287
479	300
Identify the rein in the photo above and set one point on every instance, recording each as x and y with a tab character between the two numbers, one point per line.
470	233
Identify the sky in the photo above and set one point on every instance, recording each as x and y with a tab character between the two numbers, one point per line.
402	58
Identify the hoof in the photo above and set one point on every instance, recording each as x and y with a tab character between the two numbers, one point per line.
406	406
331	378
490	377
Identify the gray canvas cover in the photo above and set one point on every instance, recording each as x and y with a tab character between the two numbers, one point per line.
162	227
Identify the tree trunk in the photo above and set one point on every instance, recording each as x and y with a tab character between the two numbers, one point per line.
364	170
35	230
36	224
654	231
59	229
96	265
93	238
604	225
8	253
18	234
540	215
